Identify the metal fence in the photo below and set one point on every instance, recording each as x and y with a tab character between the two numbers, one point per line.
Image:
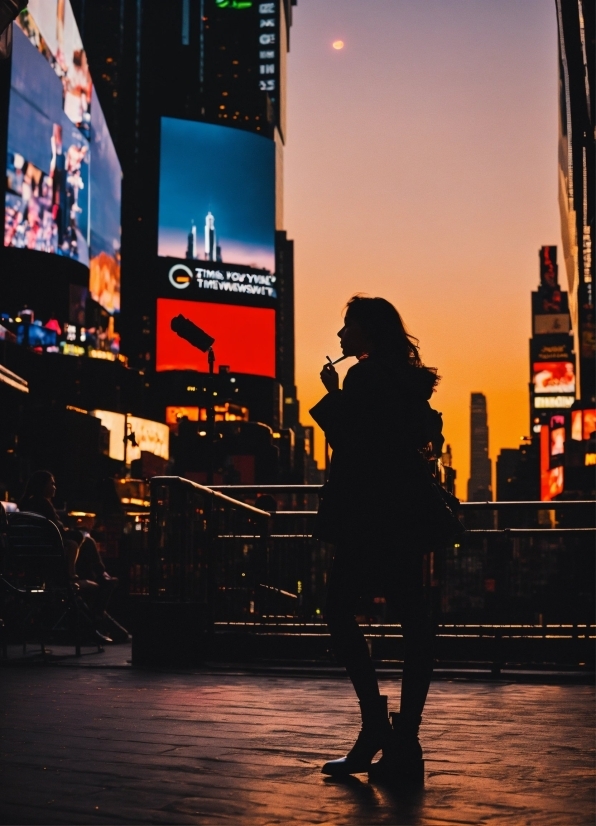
201	562
523	593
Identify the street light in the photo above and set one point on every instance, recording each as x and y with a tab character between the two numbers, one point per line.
198	338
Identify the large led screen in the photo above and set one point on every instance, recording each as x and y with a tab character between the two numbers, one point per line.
244	337
216	194
106	182
63	176
554	377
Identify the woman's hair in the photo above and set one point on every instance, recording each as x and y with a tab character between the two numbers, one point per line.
384	327
36	485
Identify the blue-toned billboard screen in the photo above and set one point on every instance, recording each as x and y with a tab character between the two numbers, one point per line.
105	185
63	176
216	194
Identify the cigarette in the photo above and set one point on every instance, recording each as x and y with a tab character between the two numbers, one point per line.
341	358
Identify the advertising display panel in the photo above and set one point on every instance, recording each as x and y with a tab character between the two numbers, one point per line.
548	266
63	176
557	440
216	195
151	437
551	478
176	412
225	412
583	424
552	324
552	348
554	377
105	188
244	337
553	402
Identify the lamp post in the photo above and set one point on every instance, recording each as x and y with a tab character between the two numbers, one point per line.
198	338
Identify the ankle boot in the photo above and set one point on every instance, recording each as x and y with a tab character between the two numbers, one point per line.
402	760
373	737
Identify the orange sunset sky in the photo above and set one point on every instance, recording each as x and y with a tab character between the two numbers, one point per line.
421	165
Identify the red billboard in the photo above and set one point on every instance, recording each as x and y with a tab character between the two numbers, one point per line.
244	337
551	478
548	267
554	377
583	424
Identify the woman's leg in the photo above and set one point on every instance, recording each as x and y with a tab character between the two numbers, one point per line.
350	648
418	631
347	640
402	758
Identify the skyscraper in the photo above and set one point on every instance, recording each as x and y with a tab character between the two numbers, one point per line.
191	249
577	185
479	483
210	241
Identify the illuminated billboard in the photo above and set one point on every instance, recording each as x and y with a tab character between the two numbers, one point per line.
551	477
63	179
583	424
105	187
225	412
216	195
549	271
557	440
244	337
151	437
554	377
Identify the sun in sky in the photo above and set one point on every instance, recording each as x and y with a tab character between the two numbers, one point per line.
338	45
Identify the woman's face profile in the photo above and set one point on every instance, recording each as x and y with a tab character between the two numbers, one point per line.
353	339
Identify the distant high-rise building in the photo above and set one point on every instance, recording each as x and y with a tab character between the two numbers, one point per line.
210	243
191	250
479	484
577	185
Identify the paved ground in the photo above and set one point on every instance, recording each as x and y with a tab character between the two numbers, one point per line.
118	746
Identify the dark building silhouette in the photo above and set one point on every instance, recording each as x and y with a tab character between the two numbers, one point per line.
577	185
447	474
479	483
553	373
507	462
286	362
517	473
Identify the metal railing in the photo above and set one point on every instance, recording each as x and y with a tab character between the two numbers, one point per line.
200	564
523	593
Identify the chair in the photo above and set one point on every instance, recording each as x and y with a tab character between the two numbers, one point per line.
34	573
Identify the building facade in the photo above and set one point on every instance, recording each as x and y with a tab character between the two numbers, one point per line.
196	95
577	183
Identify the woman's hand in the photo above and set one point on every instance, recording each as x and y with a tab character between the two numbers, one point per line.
330	378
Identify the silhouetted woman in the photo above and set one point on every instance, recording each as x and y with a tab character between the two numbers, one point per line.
374	508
